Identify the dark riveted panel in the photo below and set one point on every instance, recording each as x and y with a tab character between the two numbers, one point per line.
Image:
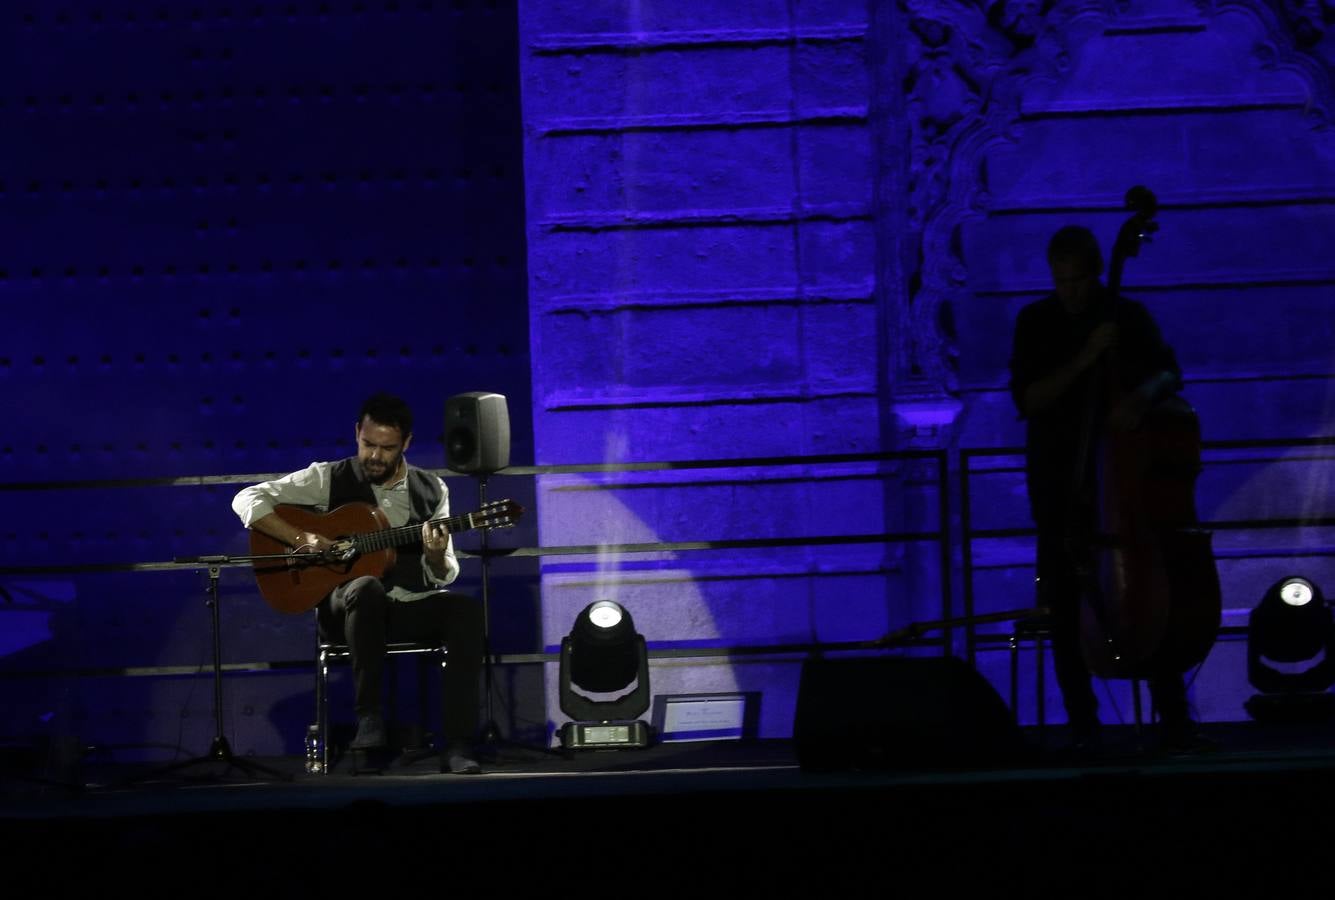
221	226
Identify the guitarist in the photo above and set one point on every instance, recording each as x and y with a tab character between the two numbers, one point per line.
409	603
1057	342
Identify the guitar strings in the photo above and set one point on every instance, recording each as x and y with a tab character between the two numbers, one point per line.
405	534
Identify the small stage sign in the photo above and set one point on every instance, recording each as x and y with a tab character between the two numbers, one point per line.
706	717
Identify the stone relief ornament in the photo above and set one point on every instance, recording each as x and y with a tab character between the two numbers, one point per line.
960	65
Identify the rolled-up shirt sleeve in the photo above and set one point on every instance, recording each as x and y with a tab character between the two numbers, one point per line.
451	562
306	487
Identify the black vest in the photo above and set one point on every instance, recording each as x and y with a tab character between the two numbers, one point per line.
348	484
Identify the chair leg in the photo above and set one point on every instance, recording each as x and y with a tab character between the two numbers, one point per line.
444	738
1015	676
322	710
423	706
1041	688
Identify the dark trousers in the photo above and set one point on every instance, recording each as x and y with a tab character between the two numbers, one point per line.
1059	590
362	614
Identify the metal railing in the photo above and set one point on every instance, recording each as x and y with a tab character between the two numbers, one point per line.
940	535
969	534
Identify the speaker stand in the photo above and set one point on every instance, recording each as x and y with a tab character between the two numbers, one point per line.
491	743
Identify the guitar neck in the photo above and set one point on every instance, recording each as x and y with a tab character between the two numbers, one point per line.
405	535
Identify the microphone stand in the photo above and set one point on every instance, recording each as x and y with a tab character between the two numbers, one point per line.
219	749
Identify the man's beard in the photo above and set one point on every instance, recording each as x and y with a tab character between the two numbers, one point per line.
382	474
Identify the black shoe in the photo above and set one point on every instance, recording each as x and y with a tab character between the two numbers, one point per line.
460	759
1086	742
1181	738
370	733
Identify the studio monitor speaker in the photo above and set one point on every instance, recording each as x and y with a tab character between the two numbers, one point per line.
901	713
477	432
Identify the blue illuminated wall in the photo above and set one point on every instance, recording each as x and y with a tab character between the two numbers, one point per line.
702	222
790	228
674	232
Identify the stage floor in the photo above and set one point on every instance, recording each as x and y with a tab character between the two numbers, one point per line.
1254	811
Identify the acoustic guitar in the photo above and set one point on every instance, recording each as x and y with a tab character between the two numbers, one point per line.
364	544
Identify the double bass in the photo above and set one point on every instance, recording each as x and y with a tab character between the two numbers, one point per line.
1150	599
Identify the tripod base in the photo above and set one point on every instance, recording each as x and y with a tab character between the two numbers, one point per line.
491	746
219	752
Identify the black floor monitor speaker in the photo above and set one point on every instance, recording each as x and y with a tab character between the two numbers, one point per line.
477	432
902	713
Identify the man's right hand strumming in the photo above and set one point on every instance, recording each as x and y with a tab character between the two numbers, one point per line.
299	541
309	542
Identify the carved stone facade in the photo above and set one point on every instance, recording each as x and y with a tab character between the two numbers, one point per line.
959	76
799	228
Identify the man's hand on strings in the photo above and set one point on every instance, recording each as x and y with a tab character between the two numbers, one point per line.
1126	415
435	538
1100	339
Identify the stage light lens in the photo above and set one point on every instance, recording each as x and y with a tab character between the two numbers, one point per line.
1296	592
605	614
